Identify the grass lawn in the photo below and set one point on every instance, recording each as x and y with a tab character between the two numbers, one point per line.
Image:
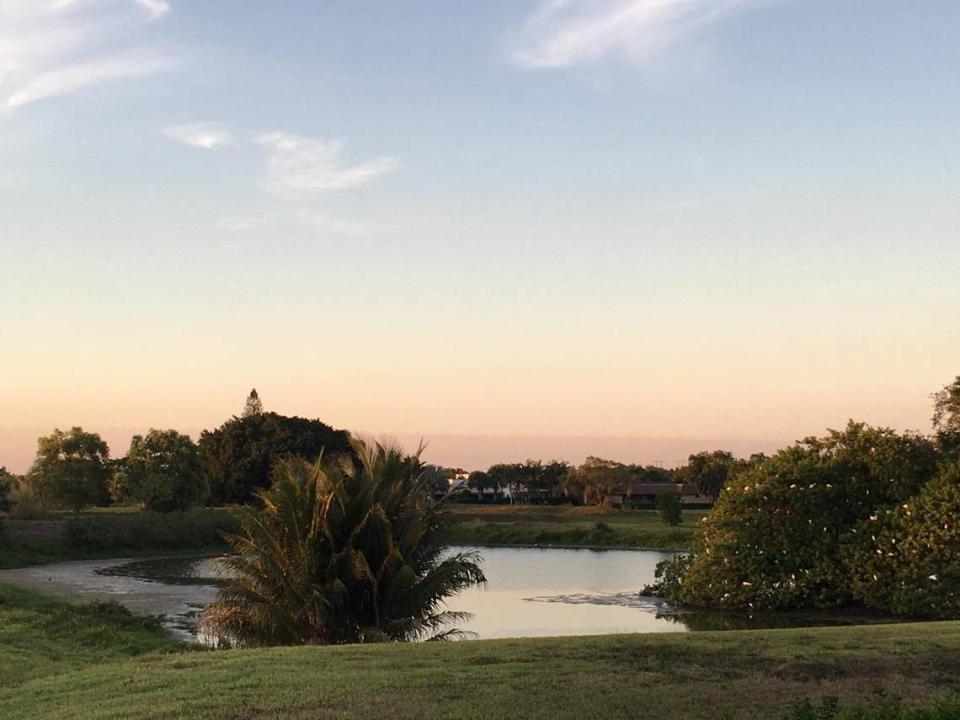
41	636
567	526
74	663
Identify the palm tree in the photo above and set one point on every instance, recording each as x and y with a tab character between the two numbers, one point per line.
343	551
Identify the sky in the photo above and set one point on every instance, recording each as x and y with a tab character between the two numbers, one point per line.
516	228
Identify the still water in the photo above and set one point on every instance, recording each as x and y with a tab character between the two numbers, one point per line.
529	592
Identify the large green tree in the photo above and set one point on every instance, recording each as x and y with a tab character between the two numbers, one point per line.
71	469
710	471
239	456
344	551
597	479
787	533
548	478
163	471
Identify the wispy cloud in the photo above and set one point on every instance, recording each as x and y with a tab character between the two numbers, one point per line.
50	48
300	172
563	33
205	135
300	166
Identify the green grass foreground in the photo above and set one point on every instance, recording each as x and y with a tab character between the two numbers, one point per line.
566	526
40	636
75	662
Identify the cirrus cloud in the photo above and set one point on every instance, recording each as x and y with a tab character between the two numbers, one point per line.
564	33
50	48
298	166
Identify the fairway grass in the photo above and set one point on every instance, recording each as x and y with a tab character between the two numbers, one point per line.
566	526
126	671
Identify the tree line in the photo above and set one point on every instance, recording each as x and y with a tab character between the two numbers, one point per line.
598	481
165	470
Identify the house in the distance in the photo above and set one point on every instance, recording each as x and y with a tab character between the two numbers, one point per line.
648	492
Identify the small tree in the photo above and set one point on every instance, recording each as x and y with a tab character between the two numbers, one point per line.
118	484
510	476
479	480
164	472
438	479
71	469
254	406
670	507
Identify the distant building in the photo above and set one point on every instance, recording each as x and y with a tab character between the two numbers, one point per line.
648	492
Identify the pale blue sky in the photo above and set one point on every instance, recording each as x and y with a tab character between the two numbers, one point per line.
653	218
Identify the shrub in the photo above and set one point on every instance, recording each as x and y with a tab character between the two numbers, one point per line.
782	535
197	528
670	507
28	504
909	563
668	577
342	553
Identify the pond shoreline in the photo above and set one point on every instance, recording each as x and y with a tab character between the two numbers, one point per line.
559	592
84	581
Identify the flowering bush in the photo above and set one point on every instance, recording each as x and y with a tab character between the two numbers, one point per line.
911	564
784	534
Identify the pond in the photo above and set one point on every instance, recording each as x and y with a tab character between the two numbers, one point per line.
530	592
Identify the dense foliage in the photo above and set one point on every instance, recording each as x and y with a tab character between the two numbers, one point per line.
239	456
348	550
6	488
911	563
597	479
827	522
670	507
711	471
71	469
533	480
198	528
163	471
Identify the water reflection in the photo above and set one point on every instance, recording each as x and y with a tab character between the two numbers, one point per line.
533	592
530	592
